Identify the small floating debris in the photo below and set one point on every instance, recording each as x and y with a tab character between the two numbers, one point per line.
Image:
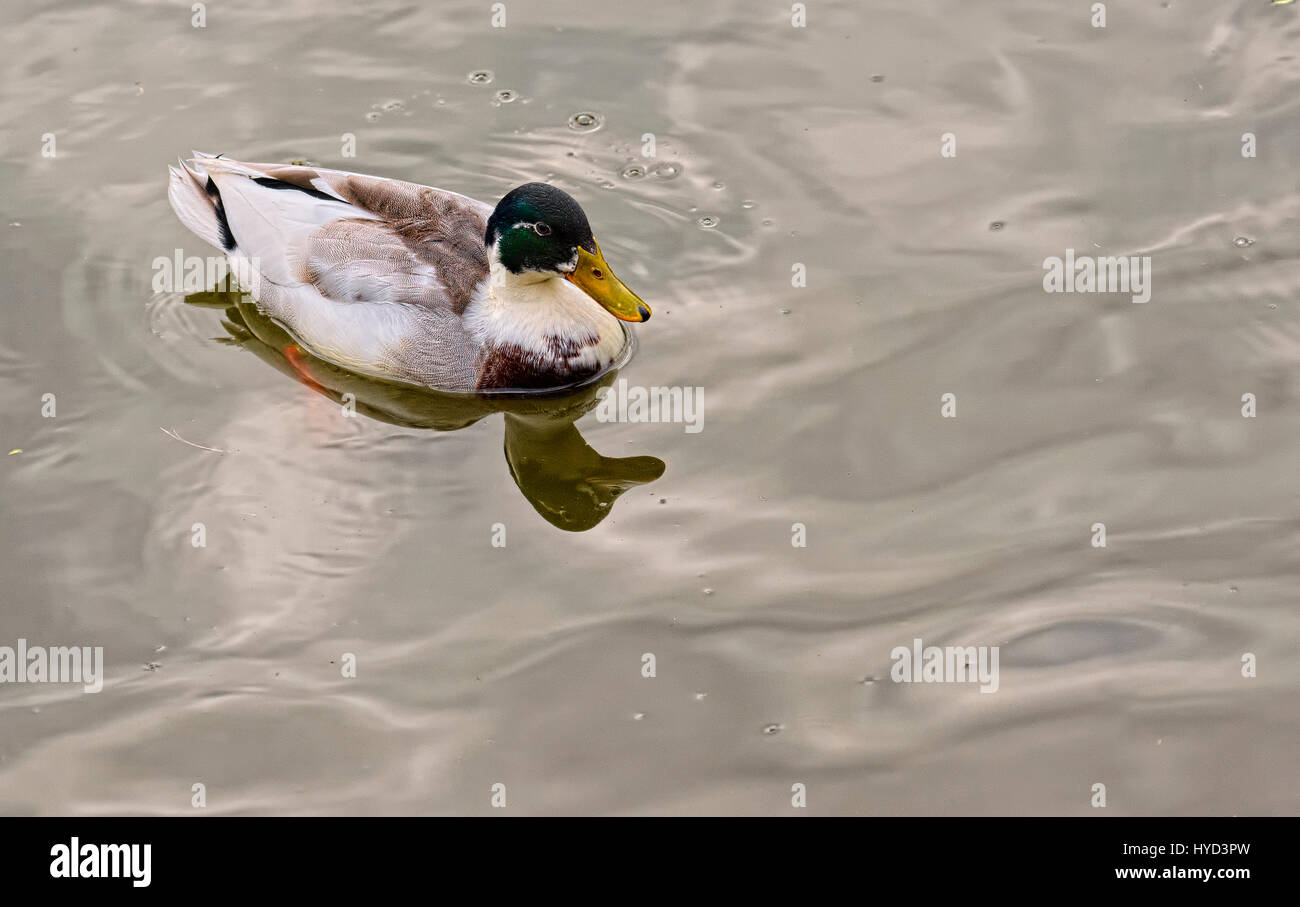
16	450
770	729
172	434
877	78
586	121
668	171
506	95
997	225
480	77
633	172
708	222
1242	242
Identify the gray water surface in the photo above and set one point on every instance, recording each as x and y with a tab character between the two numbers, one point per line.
775	146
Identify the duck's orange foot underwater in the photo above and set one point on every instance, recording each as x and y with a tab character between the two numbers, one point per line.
295	357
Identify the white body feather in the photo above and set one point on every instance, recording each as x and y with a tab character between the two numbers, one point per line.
528	310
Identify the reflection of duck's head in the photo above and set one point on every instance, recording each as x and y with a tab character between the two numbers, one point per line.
571	485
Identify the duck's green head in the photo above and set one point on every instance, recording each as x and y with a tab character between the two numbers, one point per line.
538	228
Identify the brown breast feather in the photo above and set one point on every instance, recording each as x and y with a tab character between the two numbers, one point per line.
516	368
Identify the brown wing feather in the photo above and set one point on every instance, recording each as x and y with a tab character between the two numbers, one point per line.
442	229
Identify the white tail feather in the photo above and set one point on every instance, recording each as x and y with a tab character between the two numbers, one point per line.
193	206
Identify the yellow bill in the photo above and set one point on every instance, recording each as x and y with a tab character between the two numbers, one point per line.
593	277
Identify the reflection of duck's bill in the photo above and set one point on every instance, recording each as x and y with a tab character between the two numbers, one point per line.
597	279
622	473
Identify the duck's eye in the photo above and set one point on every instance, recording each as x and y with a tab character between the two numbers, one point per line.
542	229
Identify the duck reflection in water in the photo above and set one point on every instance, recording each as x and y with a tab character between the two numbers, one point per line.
571	485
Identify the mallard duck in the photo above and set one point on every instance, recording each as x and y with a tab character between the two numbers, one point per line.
406	282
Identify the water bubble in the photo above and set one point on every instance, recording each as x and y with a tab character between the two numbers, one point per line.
585	122
638	716
634	172
997	225
747	203
699	696
1242	242
667	171
394	105
770	729
708	222
719	184
480	77
505	96
708	591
